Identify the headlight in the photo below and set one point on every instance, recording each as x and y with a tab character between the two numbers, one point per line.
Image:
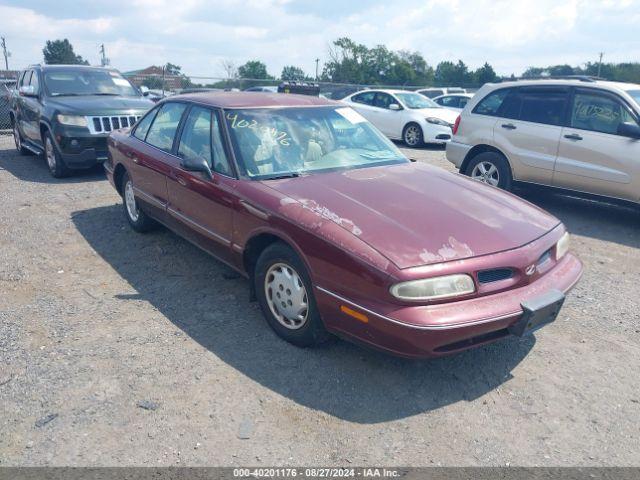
434	288
562	247
75	120
438	121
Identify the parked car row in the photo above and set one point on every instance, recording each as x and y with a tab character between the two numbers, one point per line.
337	231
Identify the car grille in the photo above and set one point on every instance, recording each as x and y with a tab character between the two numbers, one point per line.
107	124
495	275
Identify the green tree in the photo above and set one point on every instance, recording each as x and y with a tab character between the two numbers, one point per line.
172	69
291	72
485	74
254	69
351	62
452	74
60	52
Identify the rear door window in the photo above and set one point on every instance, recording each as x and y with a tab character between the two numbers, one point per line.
164	127
490	105
543	105
366	98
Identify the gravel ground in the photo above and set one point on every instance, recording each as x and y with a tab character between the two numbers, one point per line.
124	349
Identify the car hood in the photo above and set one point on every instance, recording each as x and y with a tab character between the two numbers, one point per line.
100	104
415	214
445	114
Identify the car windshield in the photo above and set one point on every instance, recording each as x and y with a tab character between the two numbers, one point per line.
635	94
272	143
87	82
415	101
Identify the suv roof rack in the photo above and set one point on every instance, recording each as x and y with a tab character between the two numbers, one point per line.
581	78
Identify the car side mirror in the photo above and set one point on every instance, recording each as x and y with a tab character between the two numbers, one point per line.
197	164
144	90
27	91
395	106
628	129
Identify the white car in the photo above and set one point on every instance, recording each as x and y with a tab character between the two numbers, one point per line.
434	92
454	101
404	115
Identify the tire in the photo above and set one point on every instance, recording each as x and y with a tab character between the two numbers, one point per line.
412	135
136	217
280	276
55	163
17	138
490	168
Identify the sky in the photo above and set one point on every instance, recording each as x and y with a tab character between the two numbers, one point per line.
198	35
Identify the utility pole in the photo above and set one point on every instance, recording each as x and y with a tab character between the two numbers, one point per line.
600	63
6	54
317	60
104	61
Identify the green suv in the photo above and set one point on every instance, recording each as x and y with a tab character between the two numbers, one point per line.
67	111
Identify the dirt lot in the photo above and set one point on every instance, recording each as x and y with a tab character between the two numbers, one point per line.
124	349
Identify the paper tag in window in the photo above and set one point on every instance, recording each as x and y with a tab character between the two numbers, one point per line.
121	82
351	115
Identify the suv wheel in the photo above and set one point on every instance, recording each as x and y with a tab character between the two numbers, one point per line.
56	165
412	135
17	138
285	295
490	168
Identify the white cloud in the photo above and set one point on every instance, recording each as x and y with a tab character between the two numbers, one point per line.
197	34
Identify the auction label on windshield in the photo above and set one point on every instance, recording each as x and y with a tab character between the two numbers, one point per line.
351	115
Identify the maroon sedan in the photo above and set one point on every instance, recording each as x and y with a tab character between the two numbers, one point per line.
337	231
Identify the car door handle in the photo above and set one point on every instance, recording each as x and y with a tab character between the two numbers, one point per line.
181	180
509	126
573	136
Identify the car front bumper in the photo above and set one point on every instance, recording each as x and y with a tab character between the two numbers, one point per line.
79	148
434	133
457	152
437	330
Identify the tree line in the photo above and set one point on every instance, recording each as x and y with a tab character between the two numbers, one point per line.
355	63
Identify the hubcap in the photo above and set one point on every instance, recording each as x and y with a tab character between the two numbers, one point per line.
50	154
130	201
412	135
286	296
16	137
486	172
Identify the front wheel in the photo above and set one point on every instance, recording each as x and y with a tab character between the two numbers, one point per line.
412	135
56	165
285	295
138	220
490	168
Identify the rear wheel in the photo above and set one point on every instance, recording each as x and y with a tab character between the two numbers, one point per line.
138	220
490	168
17	138
285	295
412	135
56	165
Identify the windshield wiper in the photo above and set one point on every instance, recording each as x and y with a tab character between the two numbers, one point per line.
284	175
106	94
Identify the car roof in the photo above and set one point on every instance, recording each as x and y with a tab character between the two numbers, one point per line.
568	82
254	99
